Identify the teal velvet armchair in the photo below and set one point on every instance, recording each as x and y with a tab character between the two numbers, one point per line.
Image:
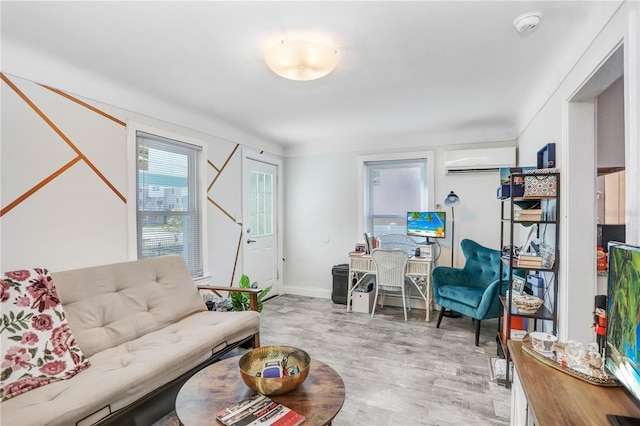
473	290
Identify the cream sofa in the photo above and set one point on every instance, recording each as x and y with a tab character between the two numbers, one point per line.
145	329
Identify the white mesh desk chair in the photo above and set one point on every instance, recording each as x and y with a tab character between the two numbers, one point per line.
417	272
391	265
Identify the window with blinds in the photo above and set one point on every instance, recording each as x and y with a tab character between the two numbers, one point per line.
393	189
169	204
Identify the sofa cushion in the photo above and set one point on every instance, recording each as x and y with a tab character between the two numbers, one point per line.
38	347
123	374
113	304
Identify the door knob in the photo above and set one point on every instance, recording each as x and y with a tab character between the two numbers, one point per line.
249	241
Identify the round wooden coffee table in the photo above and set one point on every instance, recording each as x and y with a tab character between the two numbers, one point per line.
218	386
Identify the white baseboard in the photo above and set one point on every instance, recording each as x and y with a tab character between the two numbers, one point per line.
304	291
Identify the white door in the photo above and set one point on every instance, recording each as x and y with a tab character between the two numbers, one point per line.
260	220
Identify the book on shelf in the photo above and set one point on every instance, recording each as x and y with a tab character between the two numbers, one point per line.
529	261
528	214
525	264
531	257
529	218
259	410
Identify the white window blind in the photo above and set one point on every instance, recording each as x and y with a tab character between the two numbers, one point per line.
169	204
393	189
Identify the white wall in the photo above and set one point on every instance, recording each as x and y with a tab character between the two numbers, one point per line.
572	128
610	125
39	66
321	214
75	219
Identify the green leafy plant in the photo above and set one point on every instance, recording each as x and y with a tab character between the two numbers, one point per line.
240	301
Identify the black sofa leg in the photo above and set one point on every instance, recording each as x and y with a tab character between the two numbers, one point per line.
440	316
477	332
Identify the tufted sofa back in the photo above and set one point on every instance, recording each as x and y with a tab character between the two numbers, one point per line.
482	263
113	304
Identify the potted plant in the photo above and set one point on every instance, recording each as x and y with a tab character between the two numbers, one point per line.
240	301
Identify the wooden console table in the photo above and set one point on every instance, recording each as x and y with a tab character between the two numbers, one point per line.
556	398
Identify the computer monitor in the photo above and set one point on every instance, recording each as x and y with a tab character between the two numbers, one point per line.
426	224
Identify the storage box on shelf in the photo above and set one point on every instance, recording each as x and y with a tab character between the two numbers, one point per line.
537	210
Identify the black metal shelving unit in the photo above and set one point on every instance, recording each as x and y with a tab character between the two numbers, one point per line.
550	219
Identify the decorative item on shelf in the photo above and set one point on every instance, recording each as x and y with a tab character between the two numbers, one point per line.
543	342
594	357
590	374
295	362
517	285
548	254
540	186
504	190
528	244
517	334
600	320
535	283
575	350
527	304
531	171
601	259
547	156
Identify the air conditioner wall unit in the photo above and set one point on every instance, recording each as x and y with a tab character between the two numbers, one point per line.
479	160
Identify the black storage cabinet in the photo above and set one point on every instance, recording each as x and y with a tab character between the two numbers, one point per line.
340	283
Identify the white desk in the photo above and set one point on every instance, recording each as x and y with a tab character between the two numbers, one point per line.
418	271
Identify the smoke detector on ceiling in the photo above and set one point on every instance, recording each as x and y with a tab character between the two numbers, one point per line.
527	21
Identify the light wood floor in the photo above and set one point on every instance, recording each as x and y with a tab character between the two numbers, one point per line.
395	372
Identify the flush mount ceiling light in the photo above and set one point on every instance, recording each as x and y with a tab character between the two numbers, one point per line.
527	21
301	60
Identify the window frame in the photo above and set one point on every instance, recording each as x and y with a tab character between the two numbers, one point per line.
132	174
363	188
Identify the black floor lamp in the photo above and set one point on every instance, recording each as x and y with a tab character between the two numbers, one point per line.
452	200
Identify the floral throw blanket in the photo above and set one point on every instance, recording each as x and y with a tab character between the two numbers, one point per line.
37	345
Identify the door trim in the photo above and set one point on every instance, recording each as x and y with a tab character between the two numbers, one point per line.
249	154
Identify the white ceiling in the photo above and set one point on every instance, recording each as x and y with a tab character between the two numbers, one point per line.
409	73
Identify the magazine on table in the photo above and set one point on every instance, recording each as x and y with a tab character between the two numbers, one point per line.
259	410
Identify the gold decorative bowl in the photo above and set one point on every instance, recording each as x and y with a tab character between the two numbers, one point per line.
252	363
